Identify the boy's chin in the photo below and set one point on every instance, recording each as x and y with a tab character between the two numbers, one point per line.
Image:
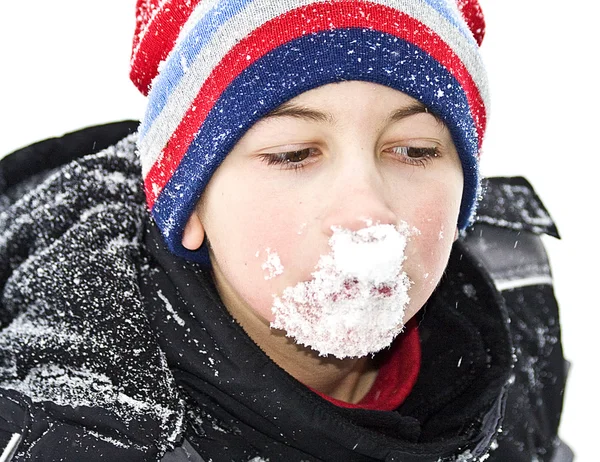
354	347
348	328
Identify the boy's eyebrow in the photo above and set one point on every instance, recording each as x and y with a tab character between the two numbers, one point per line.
291	110
410	110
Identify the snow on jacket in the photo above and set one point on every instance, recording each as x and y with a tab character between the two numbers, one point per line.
111	348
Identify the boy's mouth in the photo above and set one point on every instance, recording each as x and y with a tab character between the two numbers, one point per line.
383	291
351	289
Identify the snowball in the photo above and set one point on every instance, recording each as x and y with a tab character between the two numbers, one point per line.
354	304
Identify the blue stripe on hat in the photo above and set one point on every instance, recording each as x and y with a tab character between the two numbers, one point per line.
299	66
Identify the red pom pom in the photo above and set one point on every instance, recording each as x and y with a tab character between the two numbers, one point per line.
157	25
471	11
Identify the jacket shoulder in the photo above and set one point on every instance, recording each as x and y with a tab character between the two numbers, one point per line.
506	234
28	166
506	240
76	351
512	203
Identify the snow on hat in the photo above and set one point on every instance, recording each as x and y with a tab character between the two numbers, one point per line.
212	68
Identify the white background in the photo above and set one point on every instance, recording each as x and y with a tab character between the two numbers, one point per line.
64	65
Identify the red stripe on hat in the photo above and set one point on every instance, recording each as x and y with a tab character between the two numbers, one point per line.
156	31
292	25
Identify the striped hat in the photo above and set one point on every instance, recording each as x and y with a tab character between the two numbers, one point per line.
212	68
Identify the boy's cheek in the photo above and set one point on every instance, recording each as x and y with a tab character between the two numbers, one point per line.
270	257
427	256
428	251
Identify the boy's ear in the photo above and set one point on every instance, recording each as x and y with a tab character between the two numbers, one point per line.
193	234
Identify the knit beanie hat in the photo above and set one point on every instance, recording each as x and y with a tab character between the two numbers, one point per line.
212	68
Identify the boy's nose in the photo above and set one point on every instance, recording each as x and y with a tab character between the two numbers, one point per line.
356	201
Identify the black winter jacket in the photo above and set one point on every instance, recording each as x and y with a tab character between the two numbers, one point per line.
113	349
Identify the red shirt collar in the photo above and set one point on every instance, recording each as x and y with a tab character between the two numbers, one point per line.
396	377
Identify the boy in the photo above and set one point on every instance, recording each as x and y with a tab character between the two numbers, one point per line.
300	292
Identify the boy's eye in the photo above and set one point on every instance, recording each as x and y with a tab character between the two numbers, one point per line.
298	159
295	156
291	159
415	155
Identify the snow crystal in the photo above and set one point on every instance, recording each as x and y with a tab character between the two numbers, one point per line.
170	309
272	265
184	63
465	456
470	291
64	386
354	304
108	439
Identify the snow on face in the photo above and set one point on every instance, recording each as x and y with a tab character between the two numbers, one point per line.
272	266
354	304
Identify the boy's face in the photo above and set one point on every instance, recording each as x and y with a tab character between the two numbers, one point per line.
341	155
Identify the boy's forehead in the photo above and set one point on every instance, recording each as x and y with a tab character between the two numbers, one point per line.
321	104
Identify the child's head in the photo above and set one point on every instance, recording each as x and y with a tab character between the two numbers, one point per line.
214	68
273	125
341	156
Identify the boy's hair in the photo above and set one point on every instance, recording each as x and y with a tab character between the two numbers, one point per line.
213	68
